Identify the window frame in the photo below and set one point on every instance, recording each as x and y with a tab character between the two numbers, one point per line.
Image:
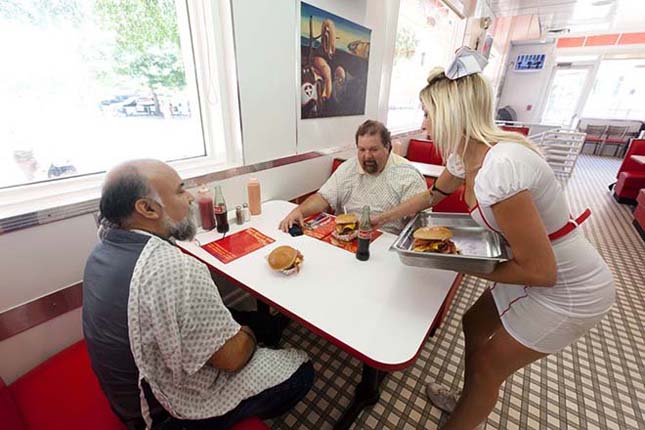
456	40
210	28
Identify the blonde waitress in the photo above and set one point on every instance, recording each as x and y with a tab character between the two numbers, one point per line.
555	288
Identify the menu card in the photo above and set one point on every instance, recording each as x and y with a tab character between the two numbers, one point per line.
322	225
237	245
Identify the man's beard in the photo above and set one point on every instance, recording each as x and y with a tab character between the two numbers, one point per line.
184	229
370	166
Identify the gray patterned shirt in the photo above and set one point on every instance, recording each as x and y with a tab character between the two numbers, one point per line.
177	321
350	188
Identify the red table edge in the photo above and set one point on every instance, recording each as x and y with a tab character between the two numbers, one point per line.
342	345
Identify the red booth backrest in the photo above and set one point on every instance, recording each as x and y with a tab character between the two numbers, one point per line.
520	130
423	151
334	164
636	147
9	416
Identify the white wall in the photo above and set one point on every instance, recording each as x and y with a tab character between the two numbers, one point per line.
525	91
265	51
37	261
268	56
379	16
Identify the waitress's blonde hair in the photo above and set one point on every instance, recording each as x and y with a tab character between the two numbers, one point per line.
463	108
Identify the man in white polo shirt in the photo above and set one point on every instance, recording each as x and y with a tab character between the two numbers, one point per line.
375	177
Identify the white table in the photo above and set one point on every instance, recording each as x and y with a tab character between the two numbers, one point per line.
380	311
428	170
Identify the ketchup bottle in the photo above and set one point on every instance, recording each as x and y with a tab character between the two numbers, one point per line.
205	204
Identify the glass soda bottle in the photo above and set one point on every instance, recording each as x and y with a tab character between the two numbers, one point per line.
221	213
364	235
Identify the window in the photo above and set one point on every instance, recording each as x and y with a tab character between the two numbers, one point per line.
86	84
426	36
618	91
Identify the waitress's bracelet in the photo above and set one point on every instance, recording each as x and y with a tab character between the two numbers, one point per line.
434	188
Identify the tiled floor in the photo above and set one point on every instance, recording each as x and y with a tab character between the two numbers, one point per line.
598	383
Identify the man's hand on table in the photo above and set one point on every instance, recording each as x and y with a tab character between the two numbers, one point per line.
295	216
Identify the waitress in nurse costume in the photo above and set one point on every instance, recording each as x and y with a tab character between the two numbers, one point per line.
556	286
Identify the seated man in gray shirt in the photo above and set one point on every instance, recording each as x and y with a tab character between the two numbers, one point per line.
375	177
167	352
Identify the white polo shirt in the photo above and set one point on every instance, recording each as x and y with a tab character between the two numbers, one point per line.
350	188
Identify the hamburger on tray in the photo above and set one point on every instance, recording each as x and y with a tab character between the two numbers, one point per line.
346	228
434	239
285	259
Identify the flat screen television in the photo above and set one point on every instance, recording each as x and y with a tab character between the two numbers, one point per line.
529	62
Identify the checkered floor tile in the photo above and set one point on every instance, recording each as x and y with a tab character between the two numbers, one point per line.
597	383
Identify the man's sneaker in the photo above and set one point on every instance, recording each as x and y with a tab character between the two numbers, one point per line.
442	397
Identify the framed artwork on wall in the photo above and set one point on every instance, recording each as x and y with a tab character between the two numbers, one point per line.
334	62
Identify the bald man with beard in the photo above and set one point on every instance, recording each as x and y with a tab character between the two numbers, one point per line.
167	352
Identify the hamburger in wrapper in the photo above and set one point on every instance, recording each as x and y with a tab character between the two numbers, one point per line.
434	239
285	259
346	228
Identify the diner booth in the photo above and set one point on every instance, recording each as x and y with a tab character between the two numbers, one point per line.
256	104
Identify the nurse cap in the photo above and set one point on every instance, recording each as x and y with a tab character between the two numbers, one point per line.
467	62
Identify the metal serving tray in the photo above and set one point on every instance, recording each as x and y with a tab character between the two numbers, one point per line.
481	249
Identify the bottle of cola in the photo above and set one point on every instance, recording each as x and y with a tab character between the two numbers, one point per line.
364	235
219	208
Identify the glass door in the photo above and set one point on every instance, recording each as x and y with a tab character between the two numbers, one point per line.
563	102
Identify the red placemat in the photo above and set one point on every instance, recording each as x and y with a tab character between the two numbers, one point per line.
326	226
237	245
350	246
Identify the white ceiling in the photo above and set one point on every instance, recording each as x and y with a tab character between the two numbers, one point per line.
579	16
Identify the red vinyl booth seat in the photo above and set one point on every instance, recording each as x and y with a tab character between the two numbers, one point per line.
639	213
63	394
453	203
629	184
520	130
334	165
631	174
423	151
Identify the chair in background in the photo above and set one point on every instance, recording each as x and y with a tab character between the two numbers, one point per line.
617	136
631	174
595	135
561	149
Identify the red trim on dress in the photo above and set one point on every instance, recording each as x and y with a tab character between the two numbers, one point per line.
513	301
571	225
481	213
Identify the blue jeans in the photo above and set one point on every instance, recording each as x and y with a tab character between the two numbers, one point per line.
270	403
